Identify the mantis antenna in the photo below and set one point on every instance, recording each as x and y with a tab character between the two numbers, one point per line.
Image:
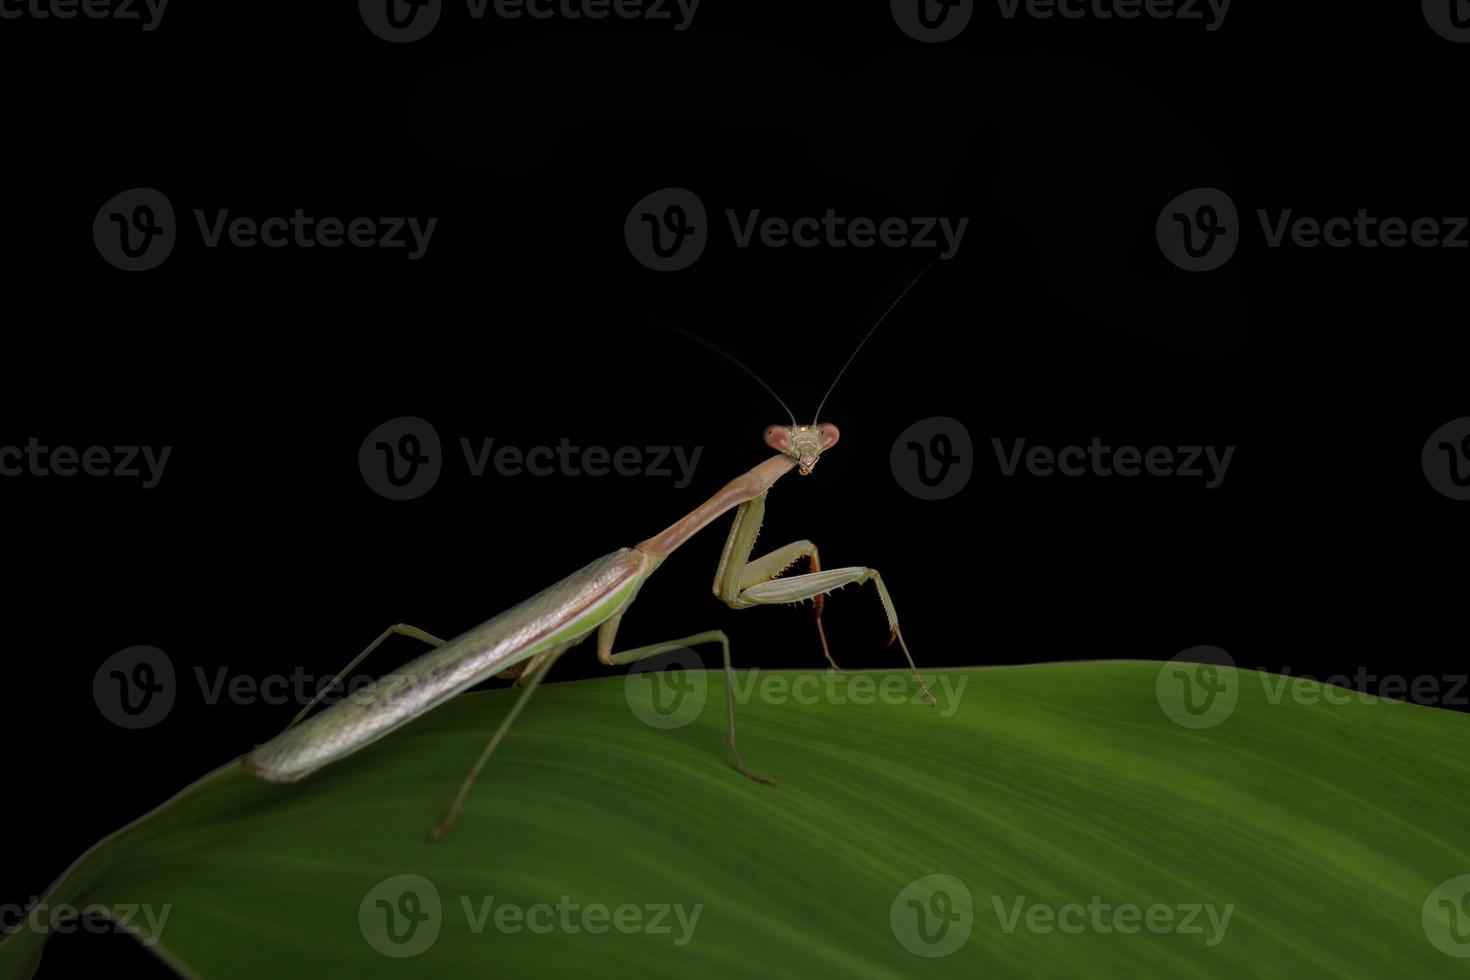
871	330
850	358
738	363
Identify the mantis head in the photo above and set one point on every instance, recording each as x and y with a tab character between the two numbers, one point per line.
806	443
803	443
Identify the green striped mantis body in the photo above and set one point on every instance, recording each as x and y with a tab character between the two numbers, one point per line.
527	639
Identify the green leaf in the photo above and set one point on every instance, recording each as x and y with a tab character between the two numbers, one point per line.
1324	828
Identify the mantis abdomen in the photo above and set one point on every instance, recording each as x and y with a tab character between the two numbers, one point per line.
555	617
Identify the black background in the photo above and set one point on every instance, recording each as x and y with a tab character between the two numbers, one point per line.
263	550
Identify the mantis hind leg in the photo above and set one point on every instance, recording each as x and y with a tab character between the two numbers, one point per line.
532	678
400	629
608	632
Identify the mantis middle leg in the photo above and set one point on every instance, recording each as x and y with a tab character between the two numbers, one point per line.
607	633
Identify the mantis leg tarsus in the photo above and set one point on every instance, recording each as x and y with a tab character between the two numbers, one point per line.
753	776
817	603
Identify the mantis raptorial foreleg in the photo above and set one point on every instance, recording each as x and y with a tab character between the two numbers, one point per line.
741	583
736	558
607	633
774	564
400	629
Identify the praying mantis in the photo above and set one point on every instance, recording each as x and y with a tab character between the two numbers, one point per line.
525	640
